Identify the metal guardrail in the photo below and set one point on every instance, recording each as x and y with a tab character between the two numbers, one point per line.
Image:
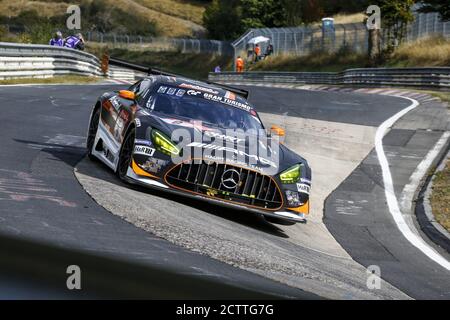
40	61
438	77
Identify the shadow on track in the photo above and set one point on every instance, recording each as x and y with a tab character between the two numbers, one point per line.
249	219
71	155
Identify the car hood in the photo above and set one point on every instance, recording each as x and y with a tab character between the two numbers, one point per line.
213	143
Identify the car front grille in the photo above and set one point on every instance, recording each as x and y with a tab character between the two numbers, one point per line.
227	182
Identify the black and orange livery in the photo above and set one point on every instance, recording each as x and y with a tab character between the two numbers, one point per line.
131	132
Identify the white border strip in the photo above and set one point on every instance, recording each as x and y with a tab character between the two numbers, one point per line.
414	181
391	198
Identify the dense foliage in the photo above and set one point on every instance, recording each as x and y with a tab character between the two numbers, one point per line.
228	19
441	6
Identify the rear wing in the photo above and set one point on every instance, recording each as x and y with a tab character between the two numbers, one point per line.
153	71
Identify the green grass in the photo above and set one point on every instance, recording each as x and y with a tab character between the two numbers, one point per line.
57	79
440	197
317	62
422	53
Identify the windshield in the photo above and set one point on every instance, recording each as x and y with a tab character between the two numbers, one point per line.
175	102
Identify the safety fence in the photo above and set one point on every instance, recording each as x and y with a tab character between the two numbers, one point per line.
43	61
161	43
353	36
404	77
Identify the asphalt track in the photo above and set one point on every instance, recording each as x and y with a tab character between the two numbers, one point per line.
42	139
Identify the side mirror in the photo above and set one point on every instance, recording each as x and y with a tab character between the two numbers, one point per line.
126	94
278	131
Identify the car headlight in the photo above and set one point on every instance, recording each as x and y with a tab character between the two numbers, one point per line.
164	144
291	175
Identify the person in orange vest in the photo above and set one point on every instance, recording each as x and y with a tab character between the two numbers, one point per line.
239	64
257	52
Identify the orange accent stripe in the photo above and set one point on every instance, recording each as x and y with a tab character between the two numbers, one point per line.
235	202
302	209
140	171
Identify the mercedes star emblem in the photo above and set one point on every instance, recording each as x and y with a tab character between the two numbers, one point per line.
230	178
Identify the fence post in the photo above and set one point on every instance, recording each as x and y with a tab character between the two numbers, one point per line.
234	57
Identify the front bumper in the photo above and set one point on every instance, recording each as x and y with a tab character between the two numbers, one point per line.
282	213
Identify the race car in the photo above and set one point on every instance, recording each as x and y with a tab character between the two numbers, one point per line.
145	135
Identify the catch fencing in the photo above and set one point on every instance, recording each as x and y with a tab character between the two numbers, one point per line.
353	36
162	44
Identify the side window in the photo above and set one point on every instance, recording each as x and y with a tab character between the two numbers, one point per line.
135	87
144	91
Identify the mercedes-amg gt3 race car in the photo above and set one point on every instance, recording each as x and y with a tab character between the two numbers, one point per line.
201	140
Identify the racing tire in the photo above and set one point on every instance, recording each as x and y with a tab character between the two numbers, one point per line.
126	154
280	221
92	132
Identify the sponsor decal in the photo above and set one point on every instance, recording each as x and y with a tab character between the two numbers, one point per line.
303	188
196	87
307	181
193	93
115	103
108	155
217	135
227	101
230	95
147	151
154	165
171	91
144	142
138	122
124	115
185	124
233	161
118	129
180	92
162	89
236	152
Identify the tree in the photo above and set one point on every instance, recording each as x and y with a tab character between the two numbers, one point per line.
222	18
440	6
395	15
261	13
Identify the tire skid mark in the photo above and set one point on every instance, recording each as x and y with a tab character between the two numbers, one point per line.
21	187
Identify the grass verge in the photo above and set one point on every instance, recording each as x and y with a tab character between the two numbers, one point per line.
316	62
440	196
57	79
428	52
191	65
